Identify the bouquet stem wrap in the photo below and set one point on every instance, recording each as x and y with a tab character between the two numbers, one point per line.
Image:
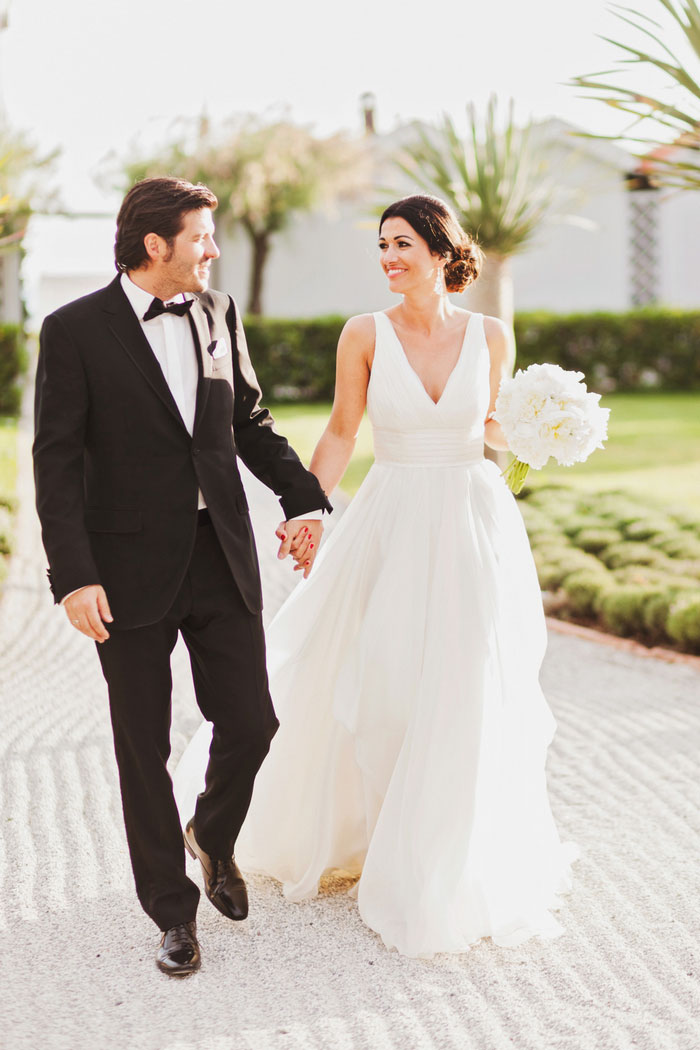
515	474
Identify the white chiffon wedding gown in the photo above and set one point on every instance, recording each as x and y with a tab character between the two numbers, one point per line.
404	671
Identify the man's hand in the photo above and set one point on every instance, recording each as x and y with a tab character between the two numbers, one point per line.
88	611
301	539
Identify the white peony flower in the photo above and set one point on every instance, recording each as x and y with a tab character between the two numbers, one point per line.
546	411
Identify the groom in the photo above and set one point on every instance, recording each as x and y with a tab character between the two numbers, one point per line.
145	397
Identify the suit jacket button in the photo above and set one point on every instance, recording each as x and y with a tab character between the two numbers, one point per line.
195	451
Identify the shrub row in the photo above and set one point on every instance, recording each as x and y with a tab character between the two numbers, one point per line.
643	349
615	561
295	360
13	364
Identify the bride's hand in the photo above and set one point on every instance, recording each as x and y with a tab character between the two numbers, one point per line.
301	539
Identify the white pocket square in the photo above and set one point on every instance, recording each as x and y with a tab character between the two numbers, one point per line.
219	348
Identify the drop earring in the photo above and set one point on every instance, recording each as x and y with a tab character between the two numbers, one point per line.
440	286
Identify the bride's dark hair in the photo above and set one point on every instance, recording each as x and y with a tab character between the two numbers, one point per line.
435	223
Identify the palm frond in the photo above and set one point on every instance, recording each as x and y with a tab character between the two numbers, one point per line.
492	177
681	119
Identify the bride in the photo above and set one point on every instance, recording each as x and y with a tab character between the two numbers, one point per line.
404	671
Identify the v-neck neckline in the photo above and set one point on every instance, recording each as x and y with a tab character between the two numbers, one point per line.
435	404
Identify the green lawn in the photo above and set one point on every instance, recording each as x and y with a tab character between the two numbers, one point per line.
304	424
653	447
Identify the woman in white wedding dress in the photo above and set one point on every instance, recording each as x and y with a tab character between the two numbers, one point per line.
404	671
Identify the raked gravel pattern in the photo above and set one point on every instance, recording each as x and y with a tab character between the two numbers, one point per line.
77	958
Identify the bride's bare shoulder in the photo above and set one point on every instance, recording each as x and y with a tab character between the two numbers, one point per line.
494	326
360	326
358	335
499	340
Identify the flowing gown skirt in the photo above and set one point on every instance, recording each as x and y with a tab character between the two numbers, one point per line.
413	730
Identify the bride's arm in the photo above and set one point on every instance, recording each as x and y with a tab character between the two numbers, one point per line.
502	352
354	361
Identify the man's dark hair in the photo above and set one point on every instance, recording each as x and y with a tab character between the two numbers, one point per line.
156	205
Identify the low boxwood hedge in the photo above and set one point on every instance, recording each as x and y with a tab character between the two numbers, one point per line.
633	570
683	624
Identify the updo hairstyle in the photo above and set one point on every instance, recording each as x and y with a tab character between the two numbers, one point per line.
435	223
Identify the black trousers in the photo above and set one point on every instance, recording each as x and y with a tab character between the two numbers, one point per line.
227	654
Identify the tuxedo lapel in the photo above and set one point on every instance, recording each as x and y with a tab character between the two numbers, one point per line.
124	326
201	331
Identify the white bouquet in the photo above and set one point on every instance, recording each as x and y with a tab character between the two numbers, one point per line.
546	411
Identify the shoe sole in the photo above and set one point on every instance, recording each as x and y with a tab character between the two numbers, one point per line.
178	973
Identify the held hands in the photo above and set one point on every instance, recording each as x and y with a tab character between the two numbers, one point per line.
88	611
300	539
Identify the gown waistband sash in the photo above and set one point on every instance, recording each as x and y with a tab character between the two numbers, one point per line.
427	448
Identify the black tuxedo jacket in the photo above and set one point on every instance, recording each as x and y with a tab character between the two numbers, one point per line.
116	471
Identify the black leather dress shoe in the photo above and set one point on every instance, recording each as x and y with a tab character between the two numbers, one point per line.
178	955
223	882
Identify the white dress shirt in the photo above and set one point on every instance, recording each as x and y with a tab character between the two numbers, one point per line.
170	339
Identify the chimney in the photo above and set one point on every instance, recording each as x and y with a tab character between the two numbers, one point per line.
368	102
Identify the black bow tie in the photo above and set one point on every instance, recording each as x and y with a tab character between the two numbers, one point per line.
158	307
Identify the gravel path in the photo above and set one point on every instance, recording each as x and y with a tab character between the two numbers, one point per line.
78	967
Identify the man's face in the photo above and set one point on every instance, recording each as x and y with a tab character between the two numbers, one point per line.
186	265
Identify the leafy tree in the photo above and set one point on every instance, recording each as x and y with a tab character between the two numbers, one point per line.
23	173
671	114
497	184
264	174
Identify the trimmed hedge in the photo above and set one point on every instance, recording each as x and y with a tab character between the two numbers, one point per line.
641	349
634	570
13	364
294	360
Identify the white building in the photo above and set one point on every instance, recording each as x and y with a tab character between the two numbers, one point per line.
604	247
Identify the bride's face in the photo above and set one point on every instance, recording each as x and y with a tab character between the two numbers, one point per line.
406	258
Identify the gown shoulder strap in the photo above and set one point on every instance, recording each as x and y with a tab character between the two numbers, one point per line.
381	323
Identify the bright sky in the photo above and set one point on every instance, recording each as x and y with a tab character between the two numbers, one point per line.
91	76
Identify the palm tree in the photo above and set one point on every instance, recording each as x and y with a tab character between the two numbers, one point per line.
674	116
497	184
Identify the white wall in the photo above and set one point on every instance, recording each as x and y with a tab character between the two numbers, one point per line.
55	290
66	258
580	260
679	259
318	266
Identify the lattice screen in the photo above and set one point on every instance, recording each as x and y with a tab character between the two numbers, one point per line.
643	244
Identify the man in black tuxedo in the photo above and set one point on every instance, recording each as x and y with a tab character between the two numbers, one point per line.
145	396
